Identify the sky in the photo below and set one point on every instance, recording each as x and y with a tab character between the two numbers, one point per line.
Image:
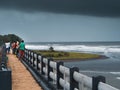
61	20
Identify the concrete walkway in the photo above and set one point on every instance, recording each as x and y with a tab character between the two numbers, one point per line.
21	77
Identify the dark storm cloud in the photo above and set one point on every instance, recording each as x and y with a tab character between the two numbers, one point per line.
88	7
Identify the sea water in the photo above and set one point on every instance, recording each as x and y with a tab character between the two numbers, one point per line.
110	49
110	67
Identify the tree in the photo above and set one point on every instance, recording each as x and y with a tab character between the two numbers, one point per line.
1	40
51	49
9	38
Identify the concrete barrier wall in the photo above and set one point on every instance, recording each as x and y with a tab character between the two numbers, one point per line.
5	73
5	80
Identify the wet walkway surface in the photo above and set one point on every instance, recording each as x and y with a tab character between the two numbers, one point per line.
21	77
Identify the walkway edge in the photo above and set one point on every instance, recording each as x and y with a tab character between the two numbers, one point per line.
37	78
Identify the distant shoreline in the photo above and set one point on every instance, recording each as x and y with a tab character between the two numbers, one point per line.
69	56
72	60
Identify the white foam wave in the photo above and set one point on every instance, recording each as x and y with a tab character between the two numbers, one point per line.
102	72
37	47
84	48
116	73
118	78
114	50
89	71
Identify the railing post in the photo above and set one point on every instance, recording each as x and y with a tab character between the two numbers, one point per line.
42	65
30	57
33	59
27	55
59	75
49	69
96	80
38	62
73	83
24	57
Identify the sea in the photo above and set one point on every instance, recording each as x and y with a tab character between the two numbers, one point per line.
109	67
110	49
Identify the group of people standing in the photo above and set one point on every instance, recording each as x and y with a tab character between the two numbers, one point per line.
16	47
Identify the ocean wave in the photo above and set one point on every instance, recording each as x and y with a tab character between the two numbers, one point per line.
84	48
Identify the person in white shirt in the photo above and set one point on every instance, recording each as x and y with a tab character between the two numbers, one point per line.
7	44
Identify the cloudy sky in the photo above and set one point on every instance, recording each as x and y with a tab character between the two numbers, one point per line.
61	20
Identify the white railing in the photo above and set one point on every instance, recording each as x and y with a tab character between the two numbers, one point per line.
104	86
83	80
63	77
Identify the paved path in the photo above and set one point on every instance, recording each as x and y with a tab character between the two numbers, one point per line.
21	77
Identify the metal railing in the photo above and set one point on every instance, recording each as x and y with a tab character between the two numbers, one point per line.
64	78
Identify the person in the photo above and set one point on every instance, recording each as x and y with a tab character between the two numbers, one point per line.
14	47
7	44
17	48
21	49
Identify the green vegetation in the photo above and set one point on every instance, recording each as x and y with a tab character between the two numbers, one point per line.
9	38
60	55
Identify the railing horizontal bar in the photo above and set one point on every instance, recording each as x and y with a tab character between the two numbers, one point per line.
53	64
64	70
45	60
76	89
35	55
39	65
35	62
39	57
45	70
103	86
64	84
83	79
53	76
